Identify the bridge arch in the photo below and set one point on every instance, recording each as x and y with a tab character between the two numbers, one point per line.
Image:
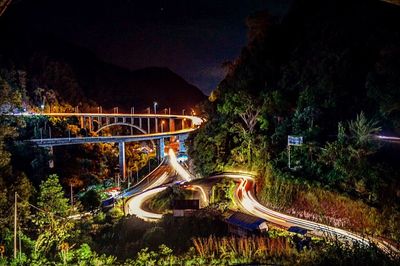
121	124
128	125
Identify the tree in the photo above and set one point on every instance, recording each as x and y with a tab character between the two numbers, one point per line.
91	200
52	216
243	105
362	129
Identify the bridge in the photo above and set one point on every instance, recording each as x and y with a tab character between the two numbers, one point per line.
154	127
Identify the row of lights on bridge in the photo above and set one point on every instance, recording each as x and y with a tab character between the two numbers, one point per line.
115	109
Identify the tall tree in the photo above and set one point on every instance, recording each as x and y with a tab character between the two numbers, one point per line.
52	216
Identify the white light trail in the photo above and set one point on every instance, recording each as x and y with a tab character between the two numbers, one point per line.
177	167
250	204
136	202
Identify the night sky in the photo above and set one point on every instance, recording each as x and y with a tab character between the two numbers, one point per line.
192	38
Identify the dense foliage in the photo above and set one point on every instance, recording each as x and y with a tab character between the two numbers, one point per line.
327	72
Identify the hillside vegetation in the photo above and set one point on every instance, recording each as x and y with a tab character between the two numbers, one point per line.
329	72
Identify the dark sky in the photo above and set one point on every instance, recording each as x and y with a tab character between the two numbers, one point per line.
192	38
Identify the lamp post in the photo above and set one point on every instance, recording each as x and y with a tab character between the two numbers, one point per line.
100	110
42	105
148	120
132	110
115	110
162	126
155	107
155	118
183	111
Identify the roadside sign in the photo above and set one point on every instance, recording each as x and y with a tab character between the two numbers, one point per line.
295	140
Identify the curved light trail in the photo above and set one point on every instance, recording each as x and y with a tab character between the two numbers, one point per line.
136	202
158	177
248	202
177	167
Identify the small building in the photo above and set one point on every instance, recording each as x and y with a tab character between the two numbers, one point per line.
185	207
298	230
242	224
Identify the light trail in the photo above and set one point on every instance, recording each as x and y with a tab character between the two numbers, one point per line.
135	204
159	181
177	167
247	201
202	193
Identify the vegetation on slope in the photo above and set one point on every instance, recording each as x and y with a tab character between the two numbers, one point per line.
327	72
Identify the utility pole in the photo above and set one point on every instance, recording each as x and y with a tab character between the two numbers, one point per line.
72	194
149	162
15	224
19	243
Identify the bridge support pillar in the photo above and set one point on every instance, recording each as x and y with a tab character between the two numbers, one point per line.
160	149
90	122
82	121
156	124
171	124
148	125
140	122
182	147
51	154
122	162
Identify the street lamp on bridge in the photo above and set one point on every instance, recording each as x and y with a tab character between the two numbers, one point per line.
155	107
162	125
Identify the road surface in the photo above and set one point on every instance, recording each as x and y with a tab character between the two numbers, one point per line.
247	202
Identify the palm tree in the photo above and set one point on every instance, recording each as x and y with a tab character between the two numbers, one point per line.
362	129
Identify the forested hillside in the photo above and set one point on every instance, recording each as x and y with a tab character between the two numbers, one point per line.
329	72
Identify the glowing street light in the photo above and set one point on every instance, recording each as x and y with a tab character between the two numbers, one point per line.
162	126
42	104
